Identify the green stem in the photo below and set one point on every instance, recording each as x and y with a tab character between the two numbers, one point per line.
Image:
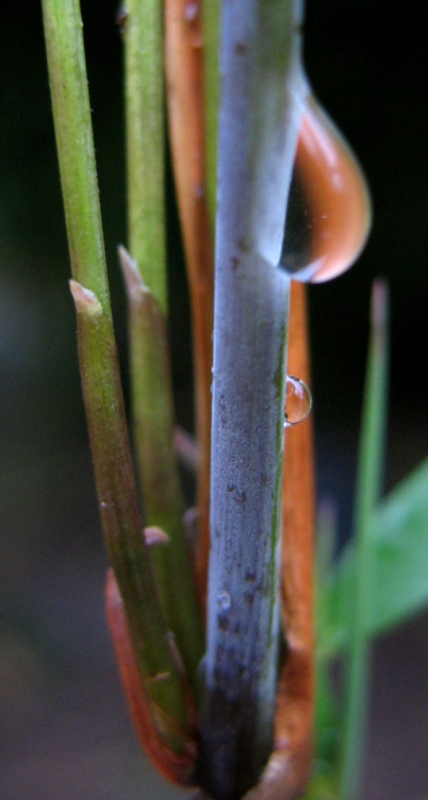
122	523
145	275
73	130
368	493
211	30
151	379
145	134
163	503
121	518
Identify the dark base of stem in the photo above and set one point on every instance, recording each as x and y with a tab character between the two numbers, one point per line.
234	751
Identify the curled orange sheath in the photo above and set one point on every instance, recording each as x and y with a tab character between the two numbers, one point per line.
177	767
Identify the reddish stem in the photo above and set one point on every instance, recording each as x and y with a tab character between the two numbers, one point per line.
177	767
184	76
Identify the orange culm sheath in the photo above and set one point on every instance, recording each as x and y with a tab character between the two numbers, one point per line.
185	100
177	767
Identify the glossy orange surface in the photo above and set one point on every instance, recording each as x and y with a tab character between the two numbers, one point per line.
331	216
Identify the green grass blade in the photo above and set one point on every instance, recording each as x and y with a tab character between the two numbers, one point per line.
400	555
368	490
401	534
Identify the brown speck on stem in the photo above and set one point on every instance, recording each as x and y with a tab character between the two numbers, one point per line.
121	20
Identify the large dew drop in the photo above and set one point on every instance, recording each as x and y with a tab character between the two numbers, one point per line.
329	210
298	401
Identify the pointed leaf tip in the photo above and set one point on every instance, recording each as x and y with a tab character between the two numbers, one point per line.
132	276
380	304
85	301
155	535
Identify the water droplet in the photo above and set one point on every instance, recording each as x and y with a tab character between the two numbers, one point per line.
223	600
298	401
329	211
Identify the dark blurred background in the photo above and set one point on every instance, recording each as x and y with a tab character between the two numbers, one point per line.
64	729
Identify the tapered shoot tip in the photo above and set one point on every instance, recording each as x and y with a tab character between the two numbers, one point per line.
155	535
85	301
132	276
380	304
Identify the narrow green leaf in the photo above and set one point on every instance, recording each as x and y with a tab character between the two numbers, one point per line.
400	555
370	470
401	535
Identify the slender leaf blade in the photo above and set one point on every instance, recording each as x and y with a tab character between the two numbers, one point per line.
400	558
370	470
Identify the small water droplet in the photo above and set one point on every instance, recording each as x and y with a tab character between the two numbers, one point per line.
103	506
298	401
223	600
329	210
